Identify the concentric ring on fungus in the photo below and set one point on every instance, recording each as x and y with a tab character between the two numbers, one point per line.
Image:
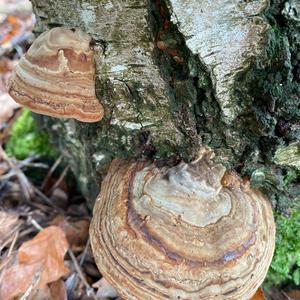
56	77
192	231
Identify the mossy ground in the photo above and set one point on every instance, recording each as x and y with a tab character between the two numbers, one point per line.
26	138
285	267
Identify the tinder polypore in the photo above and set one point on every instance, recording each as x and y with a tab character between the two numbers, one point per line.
56	77
191	231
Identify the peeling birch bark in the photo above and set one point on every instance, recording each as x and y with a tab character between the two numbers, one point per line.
226	35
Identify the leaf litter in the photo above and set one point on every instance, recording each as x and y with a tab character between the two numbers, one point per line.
44	219
44	244
39	262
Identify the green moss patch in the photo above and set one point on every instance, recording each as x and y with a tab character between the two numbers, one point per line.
26	138
285	267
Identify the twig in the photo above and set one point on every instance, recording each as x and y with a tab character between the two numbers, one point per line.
29	162
60	179
83	255
24	183
28	189
35	224
3	266
90	290
12	245
9	236
286	295
36	279
52	169
47	200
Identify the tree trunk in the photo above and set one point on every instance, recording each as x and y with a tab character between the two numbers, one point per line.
176	74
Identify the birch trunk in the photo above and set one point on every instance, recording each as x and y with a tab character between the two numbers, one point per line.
173	75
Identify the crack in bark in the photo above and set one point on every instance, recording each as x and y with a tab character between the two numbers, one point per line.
188	72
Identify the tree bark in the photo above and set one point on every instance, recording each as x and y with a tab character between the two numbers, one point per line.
177	74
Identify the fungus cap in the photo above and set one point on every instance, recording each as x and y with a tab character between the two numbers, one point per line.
56	77
192	231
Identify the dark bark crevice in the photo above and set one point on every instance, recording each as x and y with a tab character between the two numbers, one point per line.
189	85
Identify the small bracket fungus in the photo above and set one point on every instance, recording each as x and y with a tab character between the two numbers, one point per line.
192	231
56	77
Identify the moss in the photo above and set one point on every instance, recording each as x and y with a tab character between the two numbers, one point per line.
285	267
26	138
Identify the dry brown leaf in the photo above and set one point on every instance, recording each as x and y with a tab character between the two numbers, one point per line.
40	261
259	295
43	293
77	232
6	67
17	280
21	8
49	247
4	167
7	108
53	291
58	290
7	105
105	289
8	222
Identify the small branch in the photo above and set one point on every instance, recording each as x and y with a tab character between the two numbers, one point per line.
60	179
53	168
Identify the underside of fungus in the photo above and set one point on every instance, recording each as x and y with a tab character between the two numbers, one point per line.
191	231
56	77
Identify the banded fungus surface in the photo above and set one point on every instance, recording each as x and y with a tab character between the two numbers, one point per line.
192	231
56	77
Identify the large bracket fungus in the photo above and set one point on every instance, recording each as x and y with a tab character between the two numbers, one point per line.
192	231
56	77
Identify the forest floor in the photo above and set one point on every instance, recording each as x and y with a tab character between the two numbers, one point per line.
45	251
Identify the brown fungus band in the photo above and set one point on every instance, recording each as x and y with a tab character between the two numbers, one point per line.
56	77
192	231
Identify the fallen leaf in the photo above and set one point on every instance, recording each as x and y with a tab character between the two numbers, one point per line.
4	167
52	291
259	295
8	222
58	290
20	8
40	261
7	105
105	289
14	30
43	293
49	247
17	280
7	108
77	233
6	67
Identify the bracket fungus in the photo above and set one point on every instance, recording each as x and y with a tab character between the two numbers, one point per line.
56	77
192	231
